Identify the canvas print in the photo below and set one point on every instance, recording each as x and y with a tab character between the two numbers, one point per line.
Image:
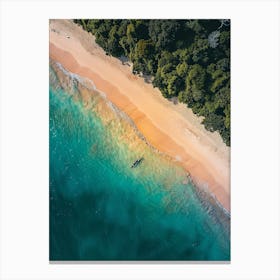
139	140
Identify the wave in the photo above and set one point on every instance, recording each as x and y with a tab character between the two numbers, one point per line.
89	84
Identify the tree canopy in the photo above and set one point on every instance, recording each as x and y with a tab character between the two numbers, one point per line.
188	59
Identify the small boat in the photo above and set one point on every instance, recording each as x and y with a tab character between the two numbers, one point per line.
137	162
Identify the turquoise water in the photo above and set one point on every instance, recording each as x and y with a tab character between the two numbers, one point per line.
100	208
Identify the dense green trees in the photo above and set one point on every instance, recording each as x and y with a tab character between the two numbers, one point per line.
188	59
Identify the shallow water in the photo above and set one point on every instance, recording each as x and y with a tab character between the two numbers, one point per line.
100	208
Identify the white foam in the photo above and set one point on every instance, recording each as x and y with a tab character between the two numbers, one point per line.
89	84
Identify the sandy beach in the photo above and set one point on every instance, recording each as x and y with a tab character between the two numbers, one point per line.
171	128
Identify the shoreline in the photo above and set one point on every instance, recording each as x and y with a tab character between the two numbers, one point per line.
167	127
89	84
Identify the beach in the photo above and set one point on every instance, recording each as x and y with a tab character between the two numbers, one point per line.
170	128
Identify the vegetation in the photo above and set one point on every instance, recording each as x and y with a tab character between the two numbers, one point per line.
189	59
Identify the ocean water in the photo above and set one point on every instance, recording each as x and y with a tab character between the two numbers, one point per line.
100	208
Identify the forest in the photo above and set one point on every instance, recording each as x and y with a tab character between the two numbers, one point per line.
188	60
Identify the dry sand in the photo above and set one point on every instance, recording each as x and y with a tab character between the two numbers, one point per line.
172	129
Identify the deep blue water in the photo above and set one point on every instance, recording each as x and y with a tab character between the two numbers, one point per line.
101	209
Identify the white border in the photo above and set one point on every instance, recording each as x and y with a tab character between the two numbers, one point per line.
255	138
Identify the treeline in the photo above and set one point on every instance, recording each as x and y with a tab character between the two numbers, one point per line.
189	59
